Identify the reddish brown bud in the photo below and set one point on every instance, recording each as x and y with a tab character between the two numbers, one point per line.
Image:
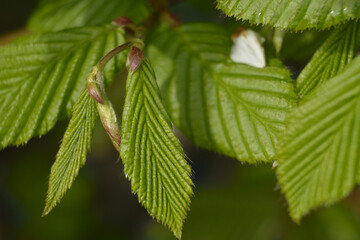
122	21
135	58
94	93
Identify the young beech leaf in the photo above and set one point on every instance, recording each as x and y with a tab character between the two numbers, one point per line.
42	75
337	51
292	14
72	154
234	109
319	159
54	15
153	158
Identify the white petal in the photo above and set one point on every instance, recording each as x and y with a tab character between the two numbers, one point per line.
248	49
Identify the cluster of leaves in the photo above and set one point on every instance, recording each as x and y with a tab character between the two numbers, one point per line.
310	127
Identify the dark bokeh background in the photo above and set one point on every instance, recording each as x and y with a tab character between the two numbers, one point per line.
232	200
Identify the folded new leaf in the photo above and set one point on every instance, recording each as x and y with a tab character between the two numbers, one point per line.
153	157
74	147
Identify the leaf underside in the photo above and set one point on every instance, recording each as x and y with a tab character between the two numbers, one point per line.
320	151
55	15
41	76
234	109
74	147
337	51
293	14
153	158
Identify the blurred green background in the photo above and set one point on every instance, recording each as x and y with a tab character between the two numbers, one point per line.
232	201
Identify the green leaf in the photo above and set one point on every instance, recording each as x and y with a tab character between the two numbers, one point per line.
319	159
293	14
153	158
74	147
42	75
337	51
54	15
234	109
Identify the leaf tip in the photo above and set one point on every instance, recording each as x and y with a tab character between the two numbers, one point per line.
178	232
296	217
47	209
178	235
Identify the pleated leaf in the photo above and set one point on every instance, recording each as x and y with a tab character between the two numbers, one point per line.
74	147
42	75
337	51
293	14
54	15
319	159
153	157
234	109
